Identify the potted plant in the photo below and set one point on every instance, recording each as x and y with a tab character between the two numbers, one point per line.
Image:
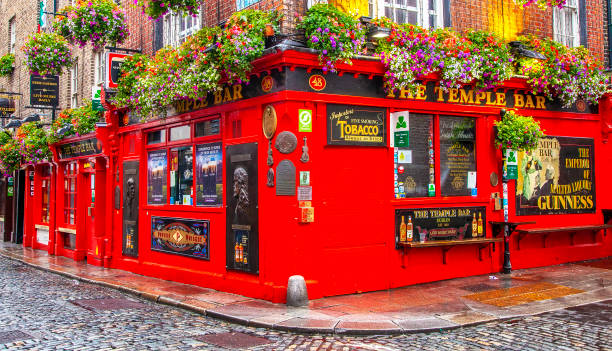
33	145
517	132
47	53
7	63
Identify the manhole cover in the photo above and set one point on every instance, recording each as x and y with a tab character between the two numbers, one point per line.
233	340
478	287
107	304
12	336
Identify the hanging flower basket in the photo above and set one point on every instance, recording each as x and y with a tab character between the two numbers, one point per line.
9	154
7	63
517	132
96	21
155	9
32	140
47	53
83	121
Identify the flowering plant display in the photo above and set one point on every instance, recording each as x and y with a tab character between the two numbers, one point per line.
243	40
32	140
157	8
6	64
10	157
132	70
336	35
517	132
82	119
543	4
98	21
569	74
47	53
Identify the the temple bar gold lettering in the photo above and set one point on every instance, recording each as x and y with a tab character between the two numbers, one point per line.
473	97
80	148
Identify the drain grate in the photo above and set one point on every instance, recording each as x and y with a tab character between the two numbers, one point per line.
233	340
107	304
478	287
12	336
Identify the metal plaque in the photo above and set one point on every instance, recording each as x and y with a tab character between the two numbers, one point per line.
269	122
270	177
286	142
305	157
130	208
285	178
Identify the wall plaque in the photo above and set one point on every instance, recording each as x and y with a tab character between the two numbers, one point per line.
285	178
557	178
269	122
185	237
356	125
286	142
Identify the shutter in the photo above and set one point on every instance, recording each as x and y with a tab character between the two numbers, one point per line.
446	13
158	35
582	22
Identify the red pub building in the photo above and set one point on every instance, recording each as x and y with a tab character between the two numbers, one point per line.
329	177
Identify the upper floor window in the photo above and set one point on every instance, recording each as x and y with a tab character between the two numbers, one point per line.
566	24
74	85
98	68
178	27
12	35
424	13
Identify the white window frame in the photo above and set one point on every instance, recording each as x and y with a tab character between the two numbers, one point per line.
74	85
566	24
424	9
98	68
178	27
12	35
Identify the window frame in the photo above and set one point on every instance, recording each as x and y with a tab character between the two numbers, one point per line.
175	27
45	178
12	32
98	68
422	10
168	146
567	34
74	85
70	176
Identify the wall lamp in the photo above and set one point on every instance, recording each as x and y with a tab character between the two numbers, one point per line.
14	123
65	129
35	117
519	48
374	32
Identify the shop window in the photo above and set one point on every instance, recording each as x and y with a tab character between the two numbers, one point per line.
70	177
181	175
180	133
46	194
207	128
157	177
457	156
156	137
415	163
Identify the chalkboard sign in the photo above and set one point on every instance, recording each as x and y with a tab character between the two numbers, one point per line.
457	155
439	224
356	125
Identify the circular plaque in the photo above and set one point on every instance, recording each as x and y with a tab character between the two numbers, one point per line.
286	142
269	122
494	179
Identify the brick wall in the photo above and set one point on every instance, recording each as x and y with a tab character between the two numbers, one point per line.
606	53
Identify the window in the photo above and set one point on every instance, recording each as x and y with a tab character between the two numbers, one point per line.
46	194
98	68
12	30
178	27
189	173
70	177
457	155
425	13
566	24
415	163
74	85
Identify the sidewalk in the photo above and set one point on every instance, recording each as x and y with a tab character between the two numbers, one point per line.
424	307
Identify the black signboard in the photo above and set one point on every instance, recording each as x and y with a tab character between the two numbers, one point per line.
242	241
7	104
186	237
130	208
557	178
44	90
439	224
457	156
157	177
209	175
356	125
85	147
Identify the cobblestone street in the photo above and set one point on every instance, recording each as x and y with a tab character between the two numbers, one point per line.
44	311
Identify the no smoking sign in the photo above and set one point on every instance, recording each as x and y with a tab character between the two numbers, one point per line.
305	120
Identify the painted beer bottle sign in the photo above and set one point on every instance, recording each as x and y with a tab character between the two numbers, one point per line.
403	231
480	229
474	227
409	229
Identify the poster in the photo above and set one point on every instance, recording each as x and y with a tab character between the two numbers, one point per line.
400	129
457	155
185	237
157	181
439	224
209	173
356	125
556	178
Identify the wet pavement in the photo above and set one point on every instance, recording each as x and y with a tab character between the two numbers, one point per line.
425	307
43	311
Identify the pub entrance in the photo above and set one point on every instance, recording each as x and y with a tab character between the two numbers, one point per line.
17	233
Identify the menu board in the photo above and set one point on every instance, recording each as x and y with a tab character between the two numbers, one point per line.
556	178
439	224
414	163
457	156
157	183
356	125
209	164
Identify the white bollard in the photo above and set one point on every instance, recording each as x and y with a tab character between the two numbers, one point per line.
297	295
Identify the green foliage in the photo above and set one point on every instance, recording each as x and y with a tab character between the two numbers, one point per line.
10	157
47	53
33	145
7	63
518	132
83	121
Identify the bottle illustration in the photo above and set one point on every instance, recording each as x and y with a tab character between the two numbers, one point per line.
480	228
402	238
237	252
409	229
474	227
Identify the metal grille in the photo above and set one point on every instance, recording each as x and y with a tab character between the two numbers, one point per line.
107	304
233	340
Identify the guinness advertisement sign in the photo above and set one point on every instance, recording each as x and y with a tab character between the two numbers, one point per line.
44	90
85	147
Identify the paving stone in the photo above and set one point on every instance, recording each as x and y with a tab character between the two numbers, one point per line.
233	340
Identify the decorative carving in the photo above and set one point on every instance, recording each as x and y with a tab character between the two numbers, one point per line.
269	122
270	158
305	157
286	142
270	182
241	193
130	196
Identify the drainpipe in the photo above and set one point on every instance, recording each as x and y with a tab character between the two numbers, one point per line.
609	13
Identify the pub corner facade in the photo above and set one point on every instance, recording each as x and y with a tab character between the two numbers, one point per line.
326	176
